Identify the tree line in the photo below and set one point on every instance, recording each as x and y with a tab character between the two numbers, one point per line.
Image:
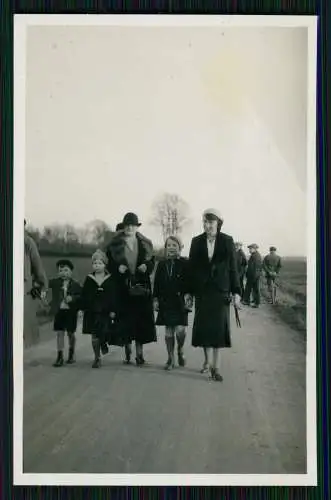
169	212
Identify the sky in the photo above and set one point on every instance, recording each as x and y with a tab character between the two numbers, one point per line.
116	116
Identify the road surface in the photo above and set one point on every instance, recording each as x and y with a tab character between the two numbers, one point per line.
124	419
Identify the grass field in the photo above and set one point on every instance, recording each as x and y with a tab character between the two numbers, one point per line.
291	292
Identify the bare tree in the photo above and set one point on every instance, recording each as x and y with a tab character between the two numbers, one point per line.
171	214
98	232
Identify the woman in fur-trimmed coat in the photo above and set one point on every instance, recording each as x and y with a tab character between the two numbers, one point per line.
131	262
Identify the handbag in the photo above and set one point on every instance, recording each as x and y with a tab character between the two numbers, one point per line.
138	289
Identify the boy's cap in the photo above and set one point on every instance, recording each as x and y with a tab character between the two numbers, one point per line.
272	249
65	263
253	245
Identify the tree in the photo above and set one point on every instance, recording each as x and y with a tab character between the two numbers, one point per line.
98	232
171	214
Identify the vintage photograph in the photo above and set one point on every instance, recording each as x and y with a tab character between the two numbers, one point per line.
167	173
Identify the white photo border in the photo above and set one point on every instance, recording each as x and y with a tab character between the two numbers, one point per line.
21	23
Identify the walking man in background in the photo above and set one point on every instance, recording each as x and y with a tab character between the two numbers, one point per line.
35	284
253	276
272	265
241	265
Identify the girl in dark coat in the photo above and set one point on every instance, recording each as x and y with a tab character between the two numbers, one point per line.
98	301
214	278
170	288
131	261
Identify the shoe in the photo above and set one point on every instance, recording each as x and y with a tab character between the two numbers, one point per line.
215	375
140	361
59	360
205	368
170	365
181	359
127	360
96	363
255	306
71	357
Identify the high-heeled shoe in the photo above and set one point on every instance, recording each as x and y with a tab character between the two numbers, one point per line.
140	360
215	375
205	368
170	364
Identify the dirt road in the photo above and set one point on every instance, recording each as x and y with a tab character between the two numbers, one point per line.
124	419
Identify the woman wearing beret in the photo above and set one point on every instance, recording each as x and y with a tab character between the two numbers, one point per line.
214	282
131	262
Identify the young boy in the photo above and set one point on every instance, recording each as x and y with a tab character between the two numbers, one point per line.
170	290
65	295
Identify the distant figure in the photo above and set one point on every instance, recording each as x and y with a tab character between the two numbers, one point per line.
253	276
35	284
241	265
272	265
119	227
170	288
99	304
213	280
65	296
131	261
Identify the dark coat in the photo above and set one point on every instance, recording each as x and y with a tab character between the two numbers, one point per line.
254	267
97	302
221	272
241	262
74	290
135	314
212	283
170	286
64	319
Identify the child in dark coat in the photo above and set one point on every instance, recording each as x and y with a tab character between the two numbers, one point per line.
65	295
98	302
170	289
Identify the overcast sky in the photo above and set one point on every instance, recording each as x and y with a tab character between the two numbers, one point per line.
117	116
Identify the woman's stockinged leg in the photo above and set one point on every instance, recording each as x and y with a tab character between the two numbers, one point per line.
180	336
215	374
170	344
96	350
205	366
139	354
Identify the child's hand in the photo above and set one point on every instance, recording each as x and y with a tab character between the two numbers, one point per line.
142	268
68	299
122	269
112	315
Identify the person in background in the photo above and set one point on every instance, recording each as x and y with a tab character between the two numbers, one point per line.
214	282
241	265
35	285
65	296
119	227
272	265
99	304
170	289
131	261
253	277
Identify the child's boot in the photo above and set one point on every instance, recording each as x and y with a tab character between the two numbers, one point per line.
71	356
59	360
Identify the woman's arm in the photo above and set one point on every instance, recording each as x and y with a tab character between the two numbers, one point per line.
157	277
